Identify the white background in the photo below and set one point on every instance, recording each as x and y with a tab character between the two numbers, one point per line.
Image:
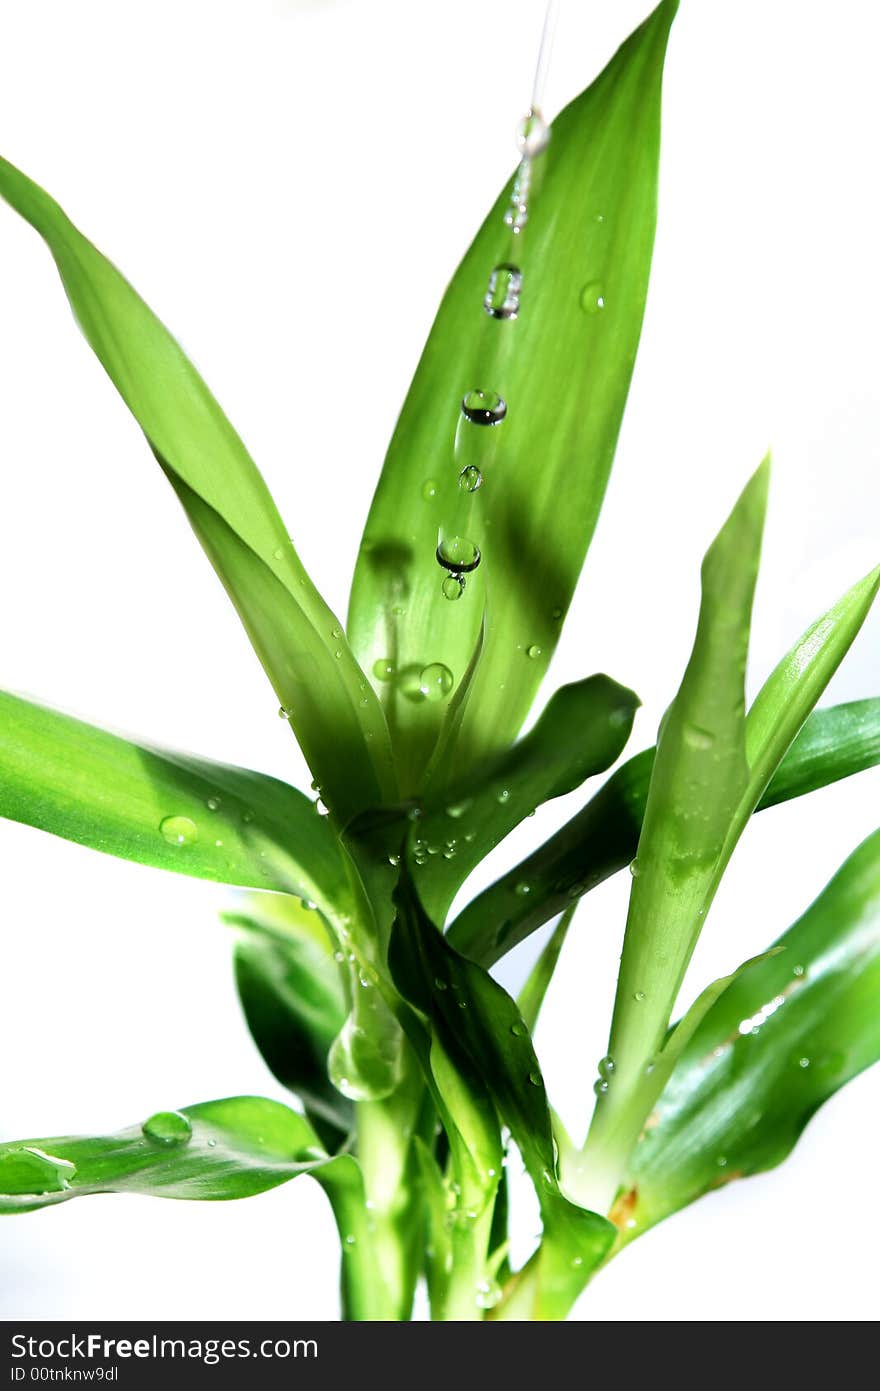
290	185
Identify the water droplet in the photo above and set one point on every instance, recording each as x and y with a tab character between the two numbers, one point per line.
483	407
336	632
634	869
535	1079
606	1066
458	554
798	971
453	587
502	297
721	1161
502	796
283	713
600	1086
533	652
167	1128
435	681
339	956
803	1062
179	830
394	860
593	297
28	1170
429	489
488	1294
213	803
247	816
519	1029
350	1240
699	739
640	997
278	553
532	134
383	669
470	479
577	1261
458	809
440	983
523	888
212	1144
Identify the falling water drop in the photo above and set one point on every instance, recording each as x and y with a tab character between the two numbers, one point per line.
532	134
435	681
483	407
593	297
167	1128
178	830
502	296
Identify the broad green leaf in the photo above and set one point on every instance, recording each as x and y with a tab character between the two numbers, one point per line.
215	1150
332	710
581	732
603	837
786	1035
584	258
291	993
169	810
485	1038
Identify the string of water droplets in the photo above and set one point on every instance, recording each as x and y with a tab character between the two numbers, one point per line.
483	409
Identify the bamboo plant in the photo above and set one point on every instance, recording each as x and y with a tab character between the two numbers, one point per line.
414	1071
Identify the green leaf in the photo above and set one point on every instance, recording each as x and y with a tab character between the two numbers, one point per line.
332	709
603	837
580	733
786	1035
545	466
485	1038
215	1150
531	997
169	810
291	993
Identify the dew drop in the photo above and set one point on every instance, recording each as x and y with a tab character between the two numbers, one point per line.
350	1240
453	587
339	956
803	1062
470	479
458	809
798	971
533	652
458	554
606	1066
383	669
532	134
519	1029
167	1128
593	297
28	1170
440	983
179	830
600	1086
721	1161
278	553
429	489
502	296
502	796
435	681
213	803
488	1294
535	1079
523	888
634	868
394	860
283	712
640	997
698	739
483	407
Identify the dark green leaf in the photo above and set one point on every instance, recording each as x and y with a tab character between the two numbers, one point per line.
332	710
165	809
584	257
787	1034
603	837
291	993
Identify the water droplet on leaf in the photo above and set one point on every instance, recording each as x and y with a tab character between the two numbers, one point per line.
167	1128
593	297
179	830
435	681
383	669
453	587
470	479
532	134
458	554
483	407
